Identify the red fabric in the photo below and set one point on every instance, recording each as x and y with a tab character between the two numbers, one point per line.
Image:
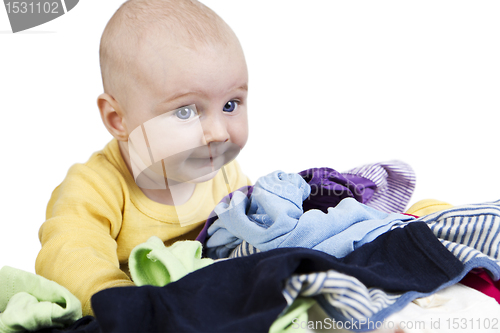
481	281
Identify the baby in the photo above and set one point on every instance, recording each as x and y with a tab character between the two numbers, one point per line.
175	100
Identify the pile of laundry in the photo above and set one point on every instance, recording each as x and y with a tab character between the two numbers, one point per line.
270	252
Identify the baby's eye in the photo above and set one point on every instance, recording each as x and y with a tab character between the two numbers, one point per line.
230	106
185	112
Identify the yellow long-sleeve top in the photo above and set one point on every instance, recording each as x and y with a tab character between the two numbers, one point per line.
98	214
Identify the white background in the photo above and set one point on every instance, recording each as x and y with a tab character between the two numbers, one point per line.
332	83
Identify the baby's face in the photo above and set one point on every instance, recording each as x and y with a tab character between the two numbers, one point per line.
186	113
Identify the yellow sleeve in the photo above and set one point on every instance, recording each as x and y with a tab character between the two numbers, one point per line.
84	217
427	206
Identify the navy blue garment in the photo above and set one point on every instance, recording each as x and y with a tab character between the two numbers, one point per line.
245	294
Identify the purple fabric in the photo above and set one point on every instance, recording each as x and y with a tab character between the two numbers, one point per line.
329	187
202	236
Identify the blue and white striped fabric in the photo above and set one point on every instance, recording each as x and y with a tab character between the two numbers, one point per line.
470	232
395	181
243	250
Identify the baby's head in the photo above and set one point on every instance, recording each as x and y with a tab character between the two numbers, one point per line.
175	84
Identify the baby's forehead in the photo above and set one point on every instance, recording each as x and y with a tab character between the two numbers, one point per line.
142	31
161	56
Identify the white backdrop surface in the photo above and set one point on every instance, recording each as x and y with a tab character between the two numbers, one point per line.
332	83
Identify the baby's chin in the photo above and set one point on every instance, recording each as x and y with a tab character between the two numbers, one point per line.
204	178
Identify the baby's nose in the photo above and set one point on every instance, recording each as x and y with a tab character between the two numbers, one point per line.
215	129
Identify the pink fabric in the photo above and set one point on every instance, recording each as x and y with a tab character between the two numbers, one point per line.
481	281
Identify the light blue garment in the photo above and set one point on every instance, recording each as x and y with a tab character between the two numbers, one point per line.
273	218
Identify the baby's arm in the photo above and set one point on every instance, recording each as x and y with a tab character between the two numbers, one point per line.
79	250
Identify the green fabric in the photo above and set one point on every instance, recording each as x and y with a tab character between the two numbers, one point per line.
151	263
31	302
298	310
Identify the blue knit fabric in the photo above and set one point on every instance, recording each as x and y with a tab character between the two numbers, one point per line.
273	218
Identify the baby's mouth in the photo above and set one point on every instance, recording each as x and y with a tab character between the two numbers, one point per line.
211	161
202	160
212	150
210	156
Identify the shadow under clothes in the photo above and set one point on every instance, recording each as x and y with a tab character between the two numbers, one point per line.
87	324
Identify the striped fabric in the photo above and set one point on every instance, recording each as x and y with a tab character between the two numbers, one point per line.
470	232
343	295
395	181
244	249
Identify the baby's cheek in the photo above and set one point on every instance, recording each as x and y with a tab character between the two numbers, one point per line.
239	133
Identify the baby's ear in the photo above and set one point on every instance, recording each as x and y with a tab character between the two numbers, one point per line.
112	116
